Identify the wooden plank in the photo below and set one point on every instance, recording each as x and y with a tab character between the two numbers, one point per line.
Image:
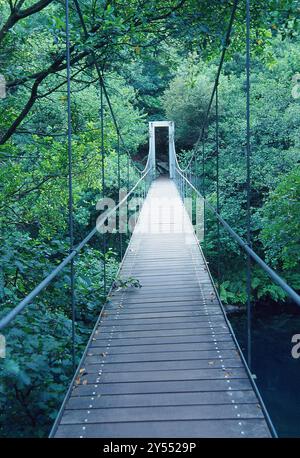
162	413
159	365
172	386
251	428
204	319
130	309
164	333
162	399
96	356
159	317
161	375
99	341
163	347
200	326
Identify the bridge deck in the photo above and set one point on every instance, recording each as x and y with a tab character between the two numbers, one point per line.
161	361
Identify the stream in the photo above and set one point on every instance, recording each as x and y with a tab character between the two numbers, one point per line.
278	373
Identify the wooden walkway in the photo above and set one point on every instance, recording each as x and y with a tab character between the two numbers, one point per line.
161	361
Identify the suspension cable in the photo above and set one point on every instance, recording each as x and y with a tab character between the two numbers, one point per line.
203	168
218	187
74	250
204	192
248	183
119	187
128	173
70	178
102	148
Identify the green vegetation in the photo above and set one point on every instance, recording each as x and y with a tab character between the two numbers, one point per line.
159	60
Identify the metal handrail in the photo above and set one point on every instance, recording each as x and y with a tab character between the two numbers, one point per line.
272	274
41	286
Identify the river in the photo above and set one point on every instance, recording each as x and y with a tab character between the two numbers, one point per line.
278	373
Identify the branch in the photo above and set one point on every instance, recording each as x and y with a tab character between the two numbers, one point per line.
23	113
60	64
56	66
17	14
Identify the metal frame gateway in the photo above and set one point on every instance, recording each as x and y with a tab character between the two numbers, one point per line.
152	152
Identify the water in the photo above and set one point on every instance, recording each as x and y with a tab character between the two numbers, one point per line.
278	373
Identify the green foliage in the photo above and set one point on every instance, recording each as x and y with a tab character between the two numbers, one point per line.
124	283
187	97
281	224
30	388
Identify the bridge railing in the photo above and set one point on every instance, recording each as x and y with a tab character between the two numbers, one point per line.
139	189
184	185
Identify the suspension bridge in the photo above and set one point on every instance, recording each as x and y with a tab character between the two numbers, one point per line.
162	359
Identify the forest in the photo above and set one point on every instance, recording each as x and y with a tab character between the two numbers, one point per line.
159	60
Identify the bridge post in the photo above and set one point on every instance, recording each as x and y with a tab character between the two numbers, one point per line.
171	150
152	158
152	153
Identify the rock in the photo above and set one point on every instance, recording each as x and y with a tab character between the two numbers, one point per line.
230	308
